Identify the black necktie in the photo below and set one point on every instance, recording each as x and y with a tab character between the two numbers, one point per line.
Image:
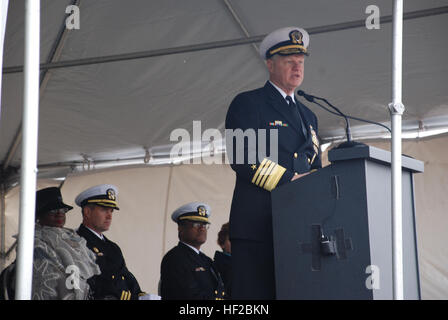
296	112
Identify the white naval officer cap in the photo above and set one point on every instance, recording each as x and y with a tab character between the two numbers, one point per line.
193	211
285	41
104	195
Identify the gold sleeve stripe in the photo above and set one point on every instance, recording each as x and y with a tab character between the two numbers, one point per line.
263	172
274	178
125	295
267	174
258	170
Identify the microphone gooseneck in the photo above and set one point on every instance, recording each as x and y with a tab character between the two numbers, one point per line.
311	98
349	142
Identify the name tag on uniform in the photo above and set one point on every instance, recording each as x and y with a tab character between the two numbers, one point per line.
199	269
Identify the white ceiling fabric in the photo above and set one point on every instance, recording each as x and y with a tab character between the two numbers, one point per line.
116	110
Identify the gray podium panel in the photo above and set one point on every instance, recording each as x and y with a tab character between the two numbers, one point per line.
332	229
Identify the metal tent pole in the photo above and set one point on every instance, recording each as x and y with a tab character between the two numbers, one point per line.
2	227
30	122
396	109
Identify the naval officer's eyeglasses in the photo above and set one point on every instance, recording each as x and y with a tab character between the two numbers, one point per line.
56	211
198	225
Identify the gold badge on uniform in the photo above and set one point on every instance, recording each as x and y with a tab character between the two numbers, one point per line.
315	140
314	136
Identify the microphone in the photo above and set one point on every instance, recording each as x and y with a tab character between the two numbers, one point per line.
349	142
311	98
308	97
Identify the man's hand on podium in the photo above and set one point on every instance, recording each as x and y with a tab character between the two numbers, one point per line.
299	175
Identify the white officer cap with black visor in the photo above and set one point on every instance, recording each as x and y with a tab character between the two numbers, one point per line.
285	41
104	195
193	211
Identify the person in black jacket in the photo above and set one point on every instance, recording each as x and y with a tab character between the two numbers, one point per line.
223	259
116	282
288	151
186	273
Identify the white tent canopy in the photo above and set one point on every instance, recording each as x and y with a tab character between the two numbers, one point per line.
116	112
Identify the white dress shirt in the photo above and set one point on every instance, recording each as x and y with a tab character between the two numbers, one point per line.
283	93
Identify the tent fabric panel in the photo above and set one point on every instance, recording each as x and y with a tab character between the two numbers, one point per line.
113	110
431	188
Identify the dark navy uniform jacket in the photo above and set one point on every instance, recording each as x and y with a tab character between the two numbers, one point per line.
265	108
186	275
223	263
115	280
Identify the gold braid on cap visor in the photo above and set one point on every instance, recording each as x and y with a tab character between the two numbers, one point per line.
194	218
109	203
289	48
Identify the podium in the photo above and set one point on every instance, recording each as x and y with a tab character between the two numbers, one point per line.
333	229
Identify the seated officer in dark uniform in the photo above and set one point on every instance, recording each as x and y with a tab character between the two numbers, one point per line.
115	281
272	109
223	259
187	273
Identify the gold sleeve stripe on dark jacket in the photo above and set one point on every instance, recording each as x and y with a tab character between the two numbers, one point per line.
268	174
254	178
274	177
263	172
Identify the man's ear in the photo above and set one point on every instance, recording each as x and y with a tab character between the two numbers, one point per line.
180	231
270	65
86	212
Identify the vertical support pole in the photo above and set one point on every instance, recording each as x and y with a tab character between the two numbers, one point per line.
2	226
29	151
396	109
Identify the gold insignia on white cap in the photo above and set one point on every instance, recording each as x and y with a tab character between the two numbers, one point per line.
103	195
285	41
193	211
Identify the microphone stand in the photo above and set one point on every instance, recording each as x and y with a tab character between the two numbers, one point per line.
349	143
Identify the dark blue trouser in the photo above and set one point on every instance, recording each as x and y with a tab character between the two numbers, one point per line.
253	276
